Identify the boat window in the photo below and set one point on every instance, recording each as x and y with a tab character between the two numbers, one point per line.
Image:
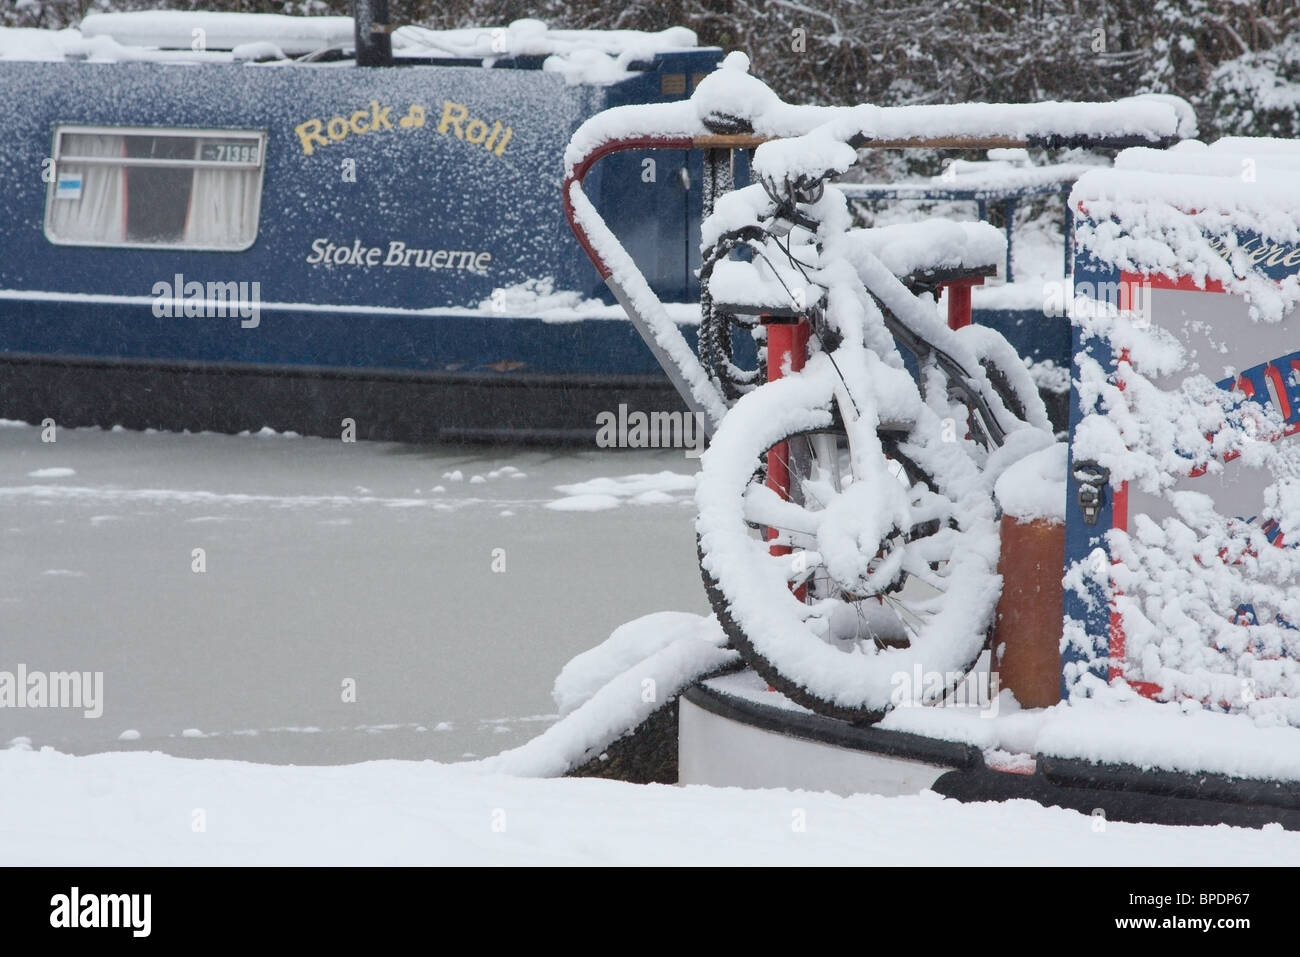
187	189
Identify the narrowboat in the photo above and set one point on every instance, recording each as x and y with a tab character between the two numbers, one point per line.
231	222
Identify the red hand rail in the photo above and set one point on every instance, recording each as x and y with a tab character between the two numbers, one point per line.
584	165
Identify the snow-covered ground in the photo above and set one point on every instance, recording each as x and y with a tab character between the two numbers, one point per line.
324	561
147	809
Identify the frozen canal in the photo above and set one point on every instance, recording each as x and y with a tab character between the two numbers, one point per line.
447	586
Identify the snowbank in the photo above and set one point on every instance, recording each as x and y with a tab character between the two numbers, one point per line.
135	809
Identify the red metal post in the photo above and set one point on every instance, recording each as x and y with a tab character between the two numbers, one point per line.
787	348
959	302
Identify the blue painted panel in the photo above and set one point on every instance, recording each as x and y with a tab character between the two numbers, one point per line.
1275	260
1088	604
1034	335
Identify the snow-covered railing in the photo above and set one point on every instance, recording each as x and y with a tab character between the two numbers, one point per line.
730	110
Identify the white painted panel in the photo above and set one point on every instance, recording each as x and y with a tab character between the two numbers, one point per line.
723	752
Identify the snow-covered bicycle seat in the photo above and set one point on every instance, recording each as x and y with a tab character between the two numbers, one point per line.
762	288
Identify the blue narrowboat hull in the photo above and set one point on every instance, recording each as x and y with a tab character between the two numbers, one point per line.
398	377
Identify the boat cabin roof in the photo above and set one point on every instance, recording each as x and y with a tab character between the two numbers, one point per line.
173	36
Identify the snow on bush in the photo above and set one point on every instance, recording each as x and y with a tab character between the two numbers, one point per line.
1258	91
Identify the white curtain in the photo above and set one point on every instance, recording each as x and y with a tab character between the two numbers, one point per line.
223	207
99	214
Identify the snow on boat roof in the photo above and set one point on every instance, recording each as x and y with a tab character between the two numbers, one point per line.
593	56
177	30
1229	157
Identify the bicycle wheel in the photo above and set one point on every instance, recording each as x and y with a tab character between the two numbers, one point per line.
875	558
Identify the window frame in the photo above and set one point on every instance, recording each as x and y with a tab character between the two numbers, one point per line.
176	131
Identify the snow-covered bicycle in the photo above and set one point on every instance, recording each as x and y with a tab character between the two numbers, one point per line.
847	527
